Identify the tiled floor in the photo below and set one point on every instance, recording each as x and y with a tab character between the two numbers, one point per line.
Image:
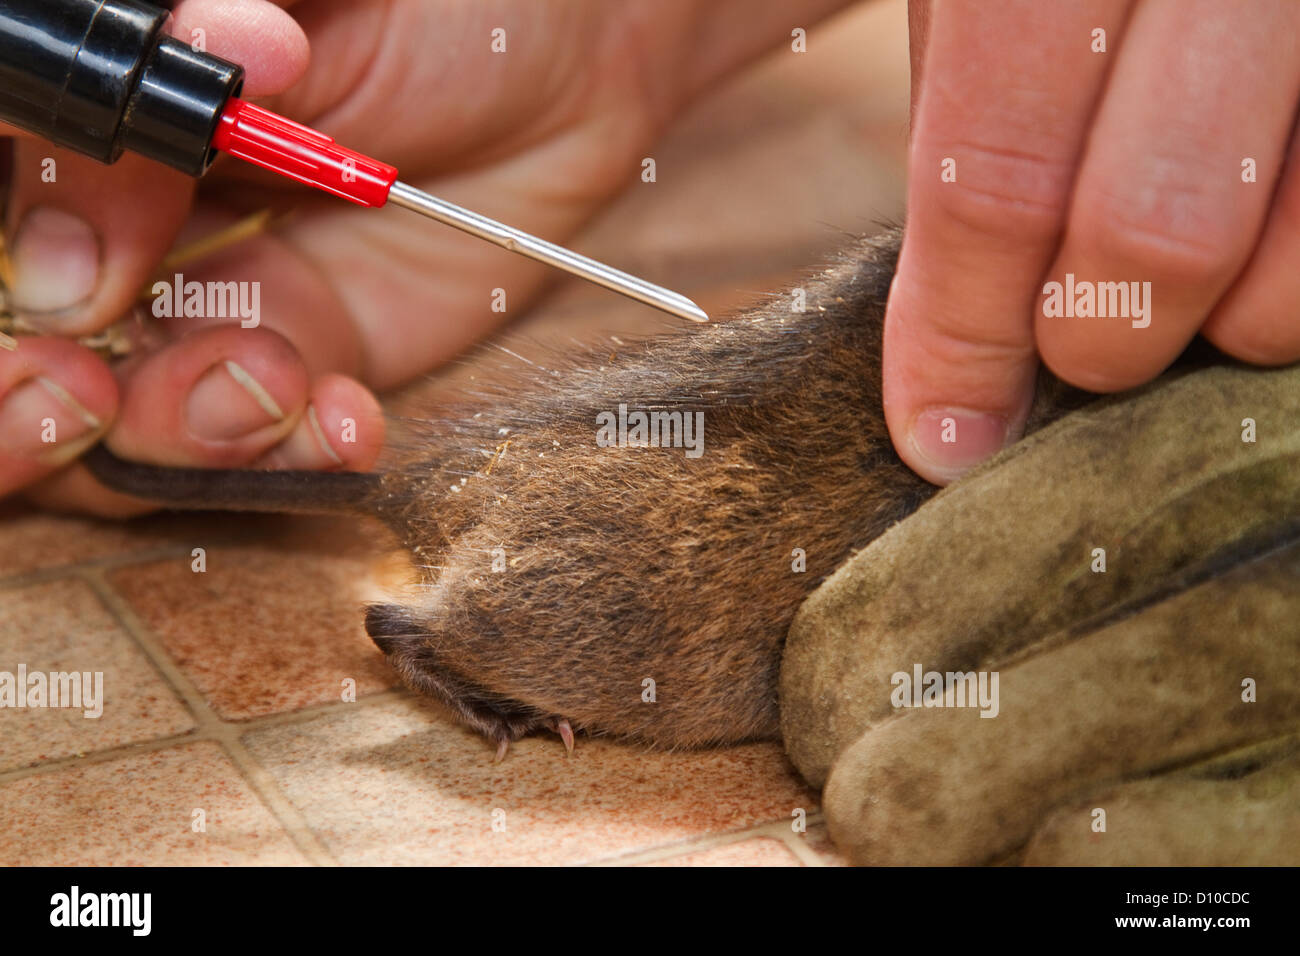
225	736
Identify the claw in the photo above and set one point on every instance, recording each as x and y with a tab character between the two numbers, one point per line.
502	747
565	731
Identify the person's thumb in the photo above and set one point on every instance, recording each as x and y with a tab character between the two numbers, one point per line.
956	390
259	36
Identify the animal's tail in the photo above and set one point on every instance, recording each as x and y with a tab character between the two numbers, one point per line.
228	489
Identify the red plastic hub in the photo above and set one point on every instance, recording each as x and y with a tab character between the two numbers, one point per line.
269	140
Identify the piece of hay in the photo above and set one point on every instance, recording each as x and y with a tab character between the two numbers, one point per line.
118	339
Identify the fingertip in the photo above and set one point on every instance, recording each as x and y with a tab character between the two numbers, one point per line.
218	397
943	443
950	404
1254	322
1258	342
78	370
83	244
342	429
349	419
264	39
1093	367
56	399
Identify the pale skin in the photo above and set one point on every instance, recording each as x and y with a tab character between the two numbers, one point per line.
1122	165
352	300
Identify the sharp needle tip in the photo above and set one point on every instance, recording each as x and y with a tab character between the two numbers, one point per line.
522	243
694	312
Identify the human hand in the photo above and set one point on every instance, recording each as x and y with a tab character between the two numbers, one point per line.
539	136
1049	639
1124	166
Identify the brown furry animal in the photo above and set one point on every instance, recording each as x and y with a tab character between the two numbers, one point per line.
560	578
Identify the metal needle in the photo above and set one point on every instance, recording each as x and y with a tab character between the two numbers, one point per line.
408	197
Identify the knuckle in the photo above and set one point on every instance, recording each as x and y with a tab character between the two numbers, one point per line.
960	341
1098	373
1004	193
954	337
1167	243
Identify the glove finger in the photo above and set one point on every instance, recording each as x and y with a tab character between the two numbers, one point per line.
1235	810
1208	669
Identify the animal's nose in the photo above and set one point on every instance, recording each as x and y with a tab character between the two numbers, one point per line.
385	623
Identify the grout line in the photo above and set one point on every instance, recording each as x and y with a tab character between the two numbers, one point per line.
197	733
264	785
193	735
76	569
774	829
668	851
304	714
211	726
181	685
798	843
101	756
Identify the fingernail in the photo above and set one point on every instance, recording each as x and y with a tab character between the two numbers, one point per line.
228	403
40	419
319	434
954	440
55	262
306	447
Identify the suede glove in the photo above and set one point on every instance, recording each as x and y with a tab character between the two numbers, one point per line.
1132	575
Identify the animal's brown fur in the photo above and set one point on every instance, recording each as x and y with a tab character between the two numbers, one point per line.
624	565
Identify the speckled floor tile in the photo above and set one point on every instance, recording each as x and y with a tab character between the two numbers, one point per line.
396	783
757	851
34	542
62	626
273	624
140	811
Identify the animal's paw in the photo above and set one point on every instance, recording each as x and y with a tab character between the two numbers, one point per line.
412	651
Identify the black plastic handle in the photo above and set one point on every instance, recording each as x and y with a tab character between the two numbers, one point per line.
102	76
